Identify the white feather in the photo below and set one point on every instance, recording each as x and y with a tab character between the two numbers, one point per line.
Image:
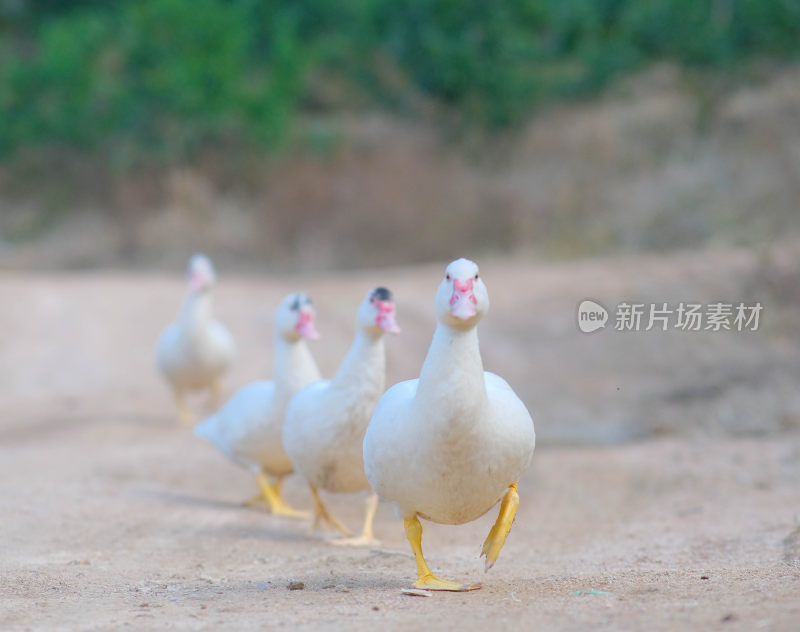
248	427
446	446
325	422
196	351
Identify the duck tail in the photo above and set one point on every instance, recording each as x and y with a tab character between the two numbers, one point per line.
207	429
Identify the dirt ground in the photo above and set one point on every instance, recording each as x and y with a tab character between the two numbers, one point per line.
664	493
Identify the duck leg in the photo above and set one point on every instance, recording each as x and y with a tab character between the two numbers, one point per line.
277	505
367	537
322	514
185	416
497	536
425	579
261	500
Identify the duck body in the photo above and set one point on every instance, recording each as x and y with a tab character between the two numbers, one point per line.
248	428
448	453
451	444
326	421
196	351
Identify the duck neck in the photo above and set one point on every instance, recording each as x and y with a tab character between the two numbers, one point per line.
294	366
363	369
452	374
196	313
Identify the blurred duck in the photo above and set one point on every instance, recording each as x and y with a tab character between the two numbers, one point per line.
196	351
325	422
447	446
248	428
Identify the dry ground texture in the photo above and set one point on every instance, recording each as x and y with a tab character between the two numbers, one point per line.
664	493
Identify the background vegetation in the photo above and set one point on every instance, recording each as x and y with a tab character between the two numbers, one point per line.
164	77
316	134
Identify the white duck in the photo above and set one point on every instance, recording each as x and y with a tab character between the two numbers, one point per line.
196	351
323	433
449	445
248	428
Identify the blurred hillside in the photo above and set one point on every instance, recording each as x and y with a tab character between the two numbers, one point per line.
313	134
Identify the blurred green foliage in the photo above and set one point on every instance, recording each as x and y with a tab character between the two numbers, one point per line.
162	77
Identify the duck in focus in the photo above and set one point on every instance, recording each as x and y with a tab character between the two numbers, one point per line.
449	445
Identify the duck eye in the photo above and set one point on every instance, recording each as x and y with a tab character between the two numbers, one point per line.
447	276
476	277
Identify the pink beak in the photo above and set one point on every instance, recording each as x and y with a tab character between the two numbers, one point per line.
385	318
305	326
463	301
196	282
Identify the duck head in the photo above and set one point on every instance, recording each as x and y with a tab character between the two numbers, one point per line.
461	300
376	313
201	274
294	319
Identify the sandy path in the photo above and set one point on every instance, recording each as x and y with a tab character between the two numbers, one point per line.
115	522
112	516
